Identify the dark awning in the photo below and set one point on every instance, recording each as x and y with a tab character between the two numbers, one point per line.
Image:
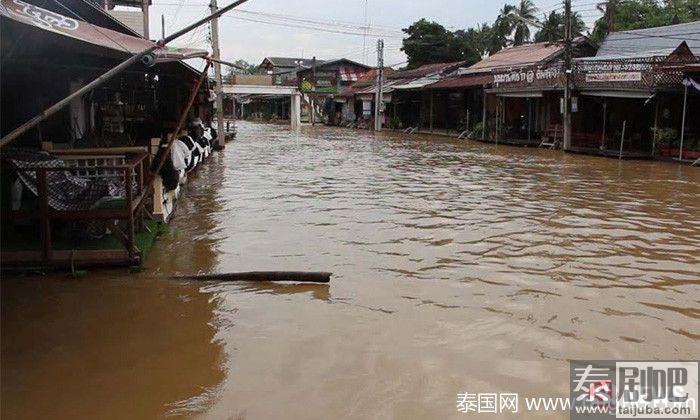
456	82
60	25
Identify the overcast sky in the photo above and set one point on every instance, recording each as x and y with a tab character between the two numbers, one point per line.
252	41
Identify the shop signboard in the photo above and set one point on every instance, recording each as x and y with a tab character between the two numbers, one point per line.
630	76
528	77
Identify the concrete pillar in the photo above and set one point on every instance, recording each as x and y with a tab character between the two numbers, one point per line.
295	111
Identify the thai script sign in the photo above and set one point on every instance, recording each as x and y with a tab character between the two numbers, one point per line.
612	66
42	17
614	77
527	76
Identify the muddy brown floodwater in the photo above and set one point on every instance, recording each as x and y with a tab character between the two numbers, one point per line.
458	266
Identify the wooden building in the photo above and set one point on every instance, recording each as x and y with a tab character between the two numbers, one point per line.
523	102
630	95
322	81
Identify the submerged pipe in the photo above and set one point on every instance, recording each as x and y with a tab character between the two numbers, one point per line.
295	276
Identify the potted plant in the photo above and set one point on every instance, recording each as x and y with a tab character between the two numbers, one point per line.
665	139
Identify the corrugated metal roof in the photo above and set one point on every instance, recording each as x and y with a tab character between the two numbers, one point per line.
425	70
367	84
453	82
659	41
292	61
520	56
419	82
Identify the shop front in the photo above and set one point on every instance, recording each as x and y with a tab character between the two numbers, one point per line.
631	107
523	106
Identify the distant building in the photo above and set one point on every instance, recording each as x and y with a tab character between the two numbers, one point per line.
330	76
284	69
136	19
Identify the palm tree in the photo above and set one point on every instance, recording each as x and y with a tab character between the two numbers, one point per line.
520	16
578	26
482	40
609	9
552	28
606	23
501	29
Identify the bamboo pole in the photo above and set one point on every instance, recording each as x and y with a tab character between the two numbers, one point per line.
181	120
110	74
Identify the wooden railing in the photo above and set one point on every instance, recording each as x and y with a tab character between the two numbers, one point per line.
128	166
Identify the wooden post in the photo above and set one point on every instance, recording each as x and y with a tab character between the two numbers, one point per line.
529	118
622	140
656	128
131	231
498	116
605	118
483	115
431	110
45	223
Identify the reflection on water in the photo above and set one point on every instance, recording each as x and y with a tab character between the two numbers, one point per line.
106	348
458	266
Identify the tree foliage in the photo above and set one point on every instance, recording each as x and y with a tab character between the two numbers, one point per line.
523	14
553	27
623	15
429	42
246	68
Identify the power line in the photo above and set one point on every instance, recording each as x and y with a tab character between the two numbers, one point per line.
318	28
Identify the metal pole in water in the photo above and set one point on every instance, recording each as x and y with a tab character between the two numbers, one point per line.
622	140
685	101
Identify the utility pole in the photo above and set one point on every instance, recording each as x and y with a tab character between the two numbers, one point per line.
312	95
567	74
379	97
146	22
221	136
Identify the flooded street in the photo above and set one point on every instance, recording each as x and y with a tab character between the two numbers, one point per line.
458	266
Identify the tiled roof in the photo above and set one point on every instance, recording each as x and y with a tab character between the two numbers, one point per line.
520	56
462	81
658	41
